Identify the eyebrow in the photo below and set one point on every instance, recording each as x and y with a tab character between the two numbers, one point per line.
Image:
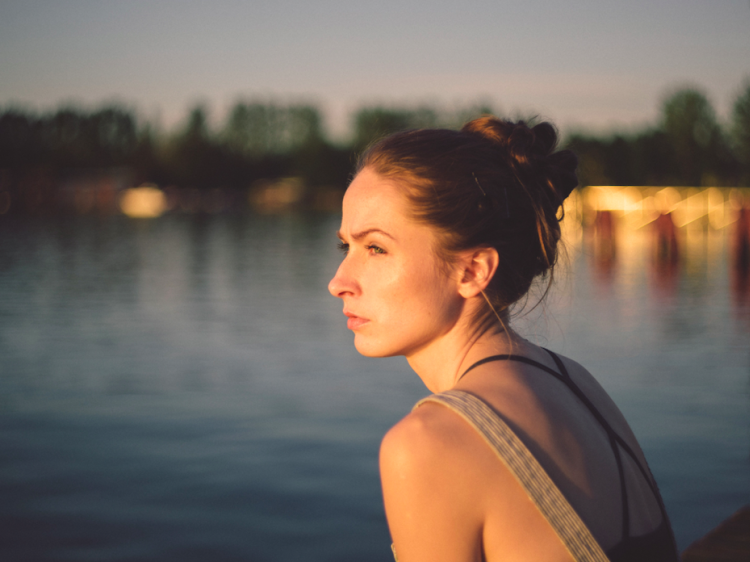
359	235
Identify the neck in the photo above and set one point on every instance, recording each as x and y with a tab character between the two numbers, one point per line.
441	363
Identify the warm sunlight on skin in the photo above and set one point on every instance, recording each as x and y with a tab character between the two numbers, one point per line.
400	298
519	455
447	496
395	297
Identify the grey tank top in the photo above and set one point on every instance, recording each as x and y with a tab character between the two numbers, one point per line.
538	485
572	531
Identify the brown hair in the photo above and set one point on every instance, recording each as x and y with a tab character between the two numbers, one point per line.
492	184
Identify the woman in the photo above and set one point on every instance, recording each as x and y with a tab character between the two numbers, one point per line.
519	454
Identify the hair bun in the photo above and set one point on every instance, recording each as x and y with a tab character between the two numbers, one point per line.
563	166
530	151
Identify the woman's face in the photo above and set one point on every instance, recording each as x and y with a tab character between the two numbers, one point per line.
399	297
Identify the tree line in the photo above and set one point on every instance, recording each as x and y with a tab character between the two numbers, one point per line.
688	146
267	140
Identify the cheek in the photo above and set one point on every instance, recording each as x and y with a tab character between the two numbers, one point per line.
426	291
444	303
410	304
387	282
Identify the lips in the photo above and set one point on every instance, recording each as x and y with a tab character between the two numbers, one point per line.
353	321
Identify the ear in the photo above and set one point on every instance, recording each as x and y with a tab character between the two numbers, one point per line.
476	269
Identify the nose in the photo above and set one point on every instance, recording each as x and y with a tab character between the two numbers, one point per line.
342	283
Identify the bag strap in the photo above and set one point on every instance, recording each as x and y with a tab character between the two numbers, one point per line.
538	485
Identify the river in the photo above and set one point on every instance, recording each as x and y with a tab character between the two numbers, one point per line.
184	388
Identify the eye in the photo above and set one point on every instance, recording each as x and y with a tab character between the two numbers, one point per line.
343	247
375	249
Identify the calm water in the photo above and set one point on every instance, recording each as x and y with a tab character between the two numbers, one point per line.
185	388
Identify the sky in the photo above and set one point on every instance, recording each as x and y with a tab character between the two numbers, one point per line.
591	65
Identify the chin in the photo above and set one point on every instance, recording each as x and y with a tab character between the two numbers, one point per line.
369	348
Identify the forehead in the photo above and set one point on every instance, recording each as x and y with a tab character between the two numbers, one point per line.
372	201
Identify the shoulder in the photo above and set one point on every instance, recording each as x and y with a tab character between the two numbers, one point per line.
432	476
600	398
427	422
415	443
429	432
448	497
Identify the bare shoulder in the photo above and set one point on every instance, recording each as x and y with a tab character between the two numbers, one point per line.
431	470
448	497
429	433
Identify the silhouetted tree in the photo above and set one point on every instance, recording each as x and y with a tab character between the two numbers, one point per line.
250	129
591	154
258	129
654	159
148	161
20	141
112	136
690	124
741	131
271	140
373	123
194	158
303	127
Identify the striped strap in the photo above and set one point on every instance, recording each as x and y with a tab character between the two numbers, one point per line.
551	503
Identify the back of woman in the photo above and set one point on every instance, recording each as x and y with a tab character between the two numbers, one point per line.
519	454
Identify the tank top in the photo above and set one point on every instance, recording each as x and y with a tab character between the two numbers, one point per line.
655	546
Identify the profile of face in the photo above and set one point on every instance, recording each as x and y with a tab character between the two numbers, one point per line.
399	296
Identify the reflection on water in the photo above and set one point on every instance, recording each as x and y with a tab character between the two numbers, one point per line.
185	388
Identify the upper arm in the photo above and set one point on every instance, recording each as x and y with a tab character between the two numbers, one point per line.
432	487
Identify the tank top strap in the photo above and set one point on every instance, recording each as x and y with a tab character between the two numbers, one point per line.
538	485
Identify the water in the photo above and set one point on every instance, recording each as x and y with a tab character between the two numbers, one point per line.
186	389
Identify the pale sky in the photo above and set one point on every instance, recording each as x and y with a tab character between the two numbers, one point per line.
594	64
